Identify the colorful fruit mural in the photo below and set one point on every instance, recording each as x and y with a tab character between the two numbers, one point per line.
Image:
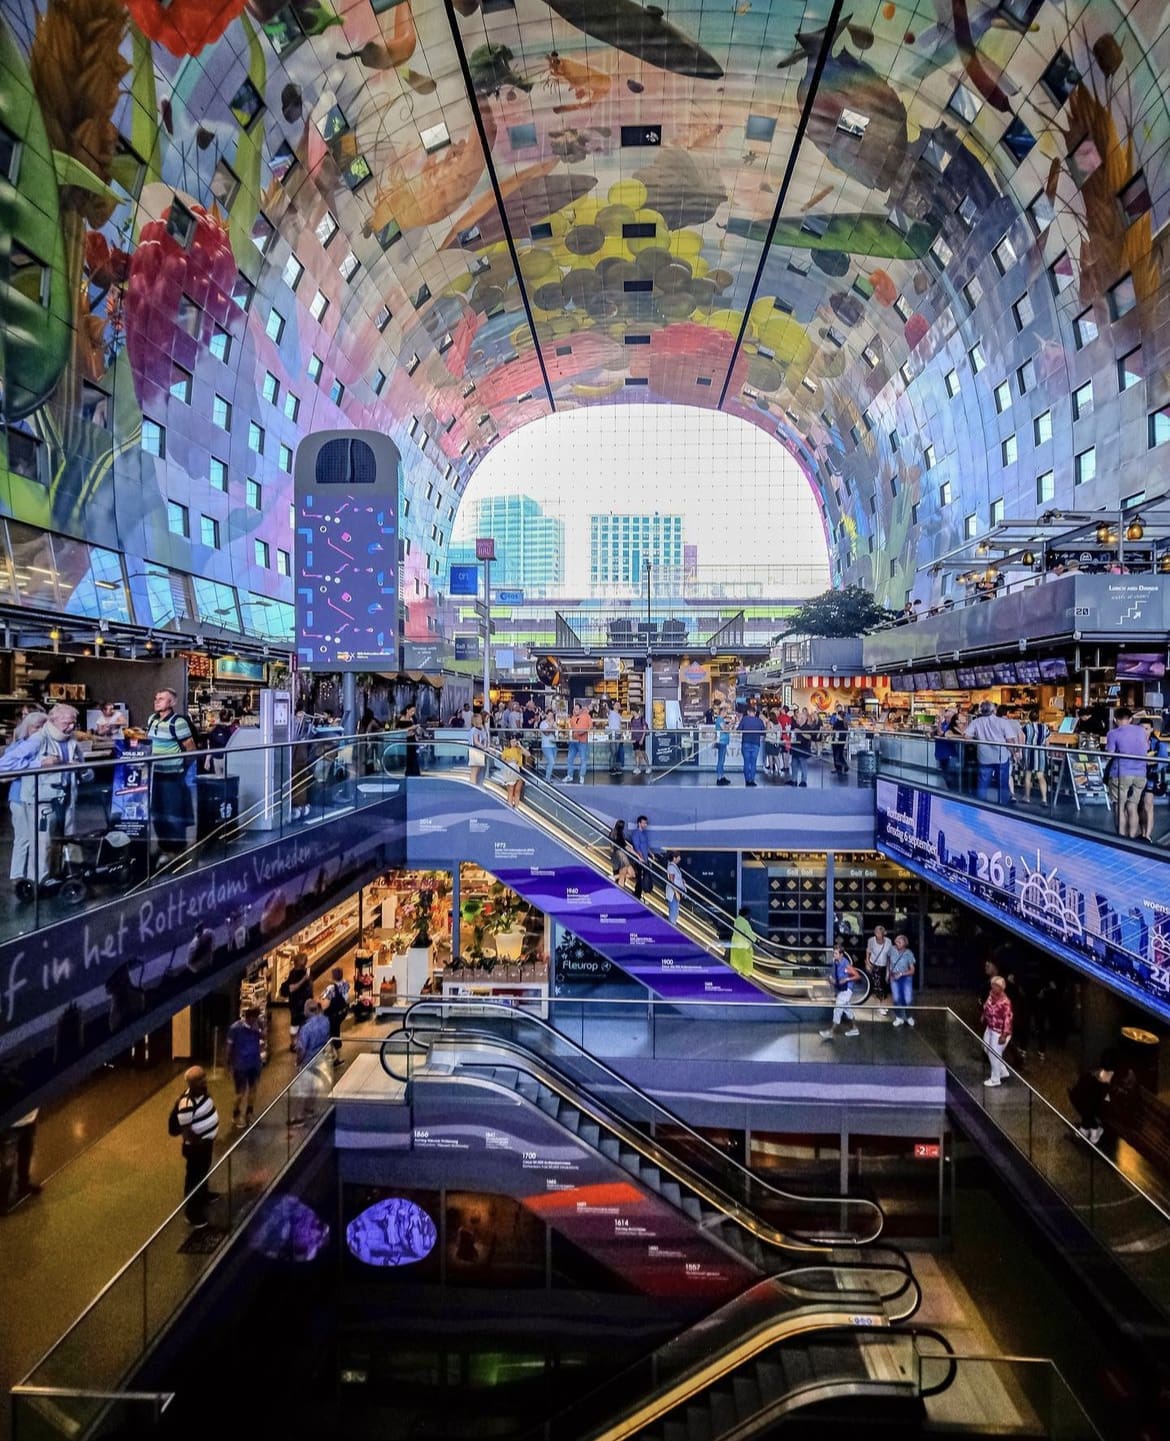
225	225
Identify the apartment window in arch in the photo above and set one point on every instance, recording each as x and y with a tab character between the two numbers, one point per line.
154	438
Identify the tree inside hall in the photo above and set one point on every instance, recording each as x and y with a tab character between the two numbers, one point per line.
839	613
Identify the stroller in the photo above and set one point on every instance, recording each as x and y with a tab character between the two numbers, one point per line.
99	858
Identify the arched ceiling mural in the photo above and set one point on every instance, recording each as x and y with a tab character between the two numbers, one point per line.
904	239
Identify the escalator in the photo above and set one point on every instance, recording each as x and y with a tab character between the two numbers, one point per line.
704	925
815	1331
770	1229
755	1365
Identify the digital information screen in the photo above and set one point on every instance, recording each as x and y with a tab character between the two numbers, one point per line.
346	551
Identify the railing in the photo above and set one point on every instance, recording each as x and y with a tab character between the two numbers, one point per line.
668	632
1010	1394
1072	785
102	827
686	756
75	1388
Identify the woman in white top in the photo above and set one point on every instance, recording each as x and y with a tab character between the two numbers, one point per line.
879	950
477	747
548	743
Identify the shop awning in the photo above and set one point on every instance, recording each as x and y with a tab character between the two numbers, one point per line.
838	682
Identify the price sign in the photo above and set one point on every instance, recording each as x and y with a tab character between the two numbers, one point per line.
927	1150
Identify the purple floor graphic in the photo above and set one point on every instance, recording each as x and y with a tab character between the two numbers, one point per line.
627	933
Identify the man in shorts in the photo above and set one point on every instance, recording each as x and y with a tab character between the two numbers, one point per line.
245	1058
1128	745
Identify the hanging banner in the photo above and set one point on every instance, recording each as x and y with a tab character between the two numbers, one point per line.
694	692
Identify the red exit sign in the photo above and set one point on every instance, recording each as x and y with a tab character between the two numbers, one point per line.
927	1150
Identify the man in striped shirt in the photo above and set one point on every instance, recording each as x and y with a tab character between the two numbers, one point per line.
198	1122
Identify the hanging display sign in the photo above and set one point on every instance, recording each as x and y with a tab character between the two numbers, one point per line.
346	539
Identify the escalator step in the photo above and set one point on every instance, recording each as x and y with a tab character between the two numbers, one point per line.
590	1134
651	1177
676	1431
570	1116
610	1146
697	1424
692	1207
629	1159
527	1086
775	1380
722	1410
747	1396
549	1101
672	1193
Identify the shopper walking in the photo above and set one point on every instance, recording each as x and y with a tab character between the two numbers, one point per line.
1034	757
1090	1094
640	842
621	855
722	741
840	743
477	750
993	757
751	733
245	1058
172	778
313	1035
675	887
335	1003
997	1029
879	952
902	968
742	952
844	973
803	733
580	728
617	749
639	729
513	757
1128	745
47	794
195	1119
21	867
297	990
547	730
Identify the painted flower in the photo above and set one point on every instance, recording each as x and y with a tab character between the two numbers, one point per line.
184	26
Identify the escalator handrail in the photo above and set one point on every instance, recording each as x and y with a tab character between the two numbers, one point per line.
712	907
748	1344
480	1008
948	1355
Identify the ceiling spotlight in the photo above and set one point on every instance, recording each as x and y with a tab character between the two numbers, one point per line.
1029	557
1105	535
981	548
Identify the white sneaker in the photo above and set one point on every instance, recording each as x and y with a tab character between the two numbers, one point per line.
1096	1134
898	1021
990	1082
853	1031
909	1020
883	1010
826	1035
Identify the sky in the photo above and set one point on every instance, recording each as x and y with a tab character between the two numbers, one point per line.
745	502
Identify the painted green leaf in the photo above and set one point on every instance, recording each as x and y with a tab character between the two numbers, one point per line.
145	133
70	171
35	306
246	205
871	235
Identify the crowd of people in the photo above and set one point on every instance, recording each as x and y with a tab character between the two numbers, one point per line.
1011	758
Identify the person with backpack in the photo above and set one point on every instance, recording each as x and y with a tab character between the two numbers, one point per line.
335	1001
172	777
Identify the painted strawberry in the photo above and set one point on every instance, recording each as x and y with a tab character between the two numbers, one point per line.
175	298
184	26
